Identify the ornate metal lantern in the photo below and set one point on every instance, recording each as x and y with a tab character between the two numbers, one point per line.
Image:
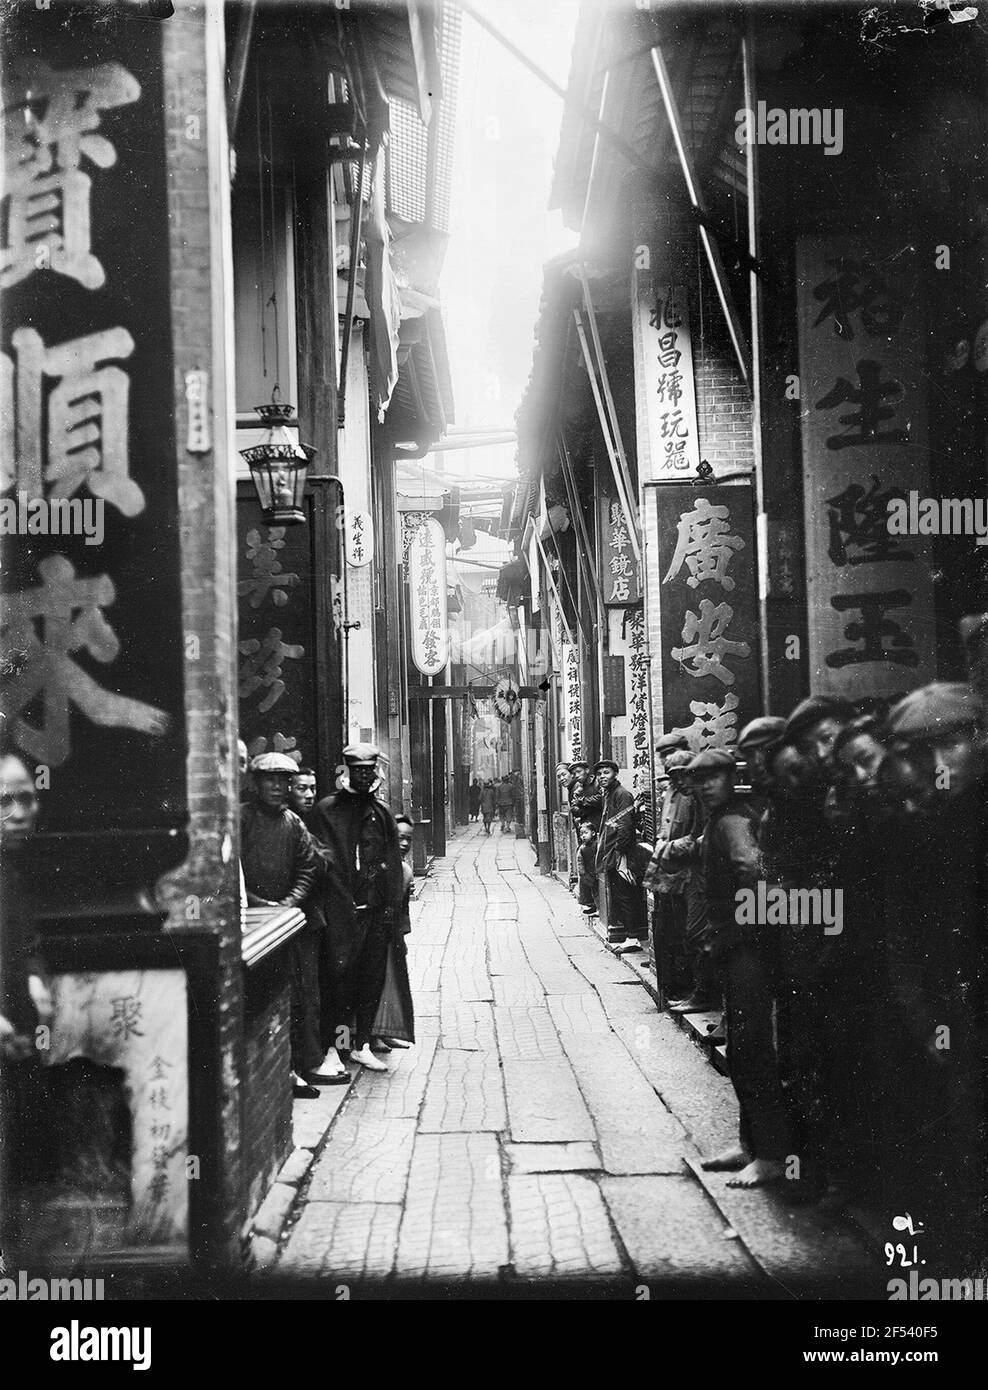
278	467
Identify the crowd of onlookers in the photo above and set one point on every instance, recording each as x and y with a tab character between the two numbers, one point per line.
822	884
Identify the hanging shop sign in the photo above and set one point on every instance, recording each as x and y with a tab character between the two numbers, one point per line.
621	579
95	689
668	443
862	344
638	714
507	700
359	539
427	591
706	549
572	703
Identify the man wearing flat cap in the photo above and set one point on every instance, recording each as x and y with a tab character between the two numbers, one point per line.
280	868
616	845
586	800
730	862
362	899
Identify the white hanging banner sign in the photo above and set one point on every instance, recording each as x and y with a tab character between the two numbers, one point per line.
359	539
427	586
572	711
668	443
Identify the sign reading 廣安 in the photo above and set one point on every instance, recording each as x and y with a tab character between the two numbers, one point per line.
708	605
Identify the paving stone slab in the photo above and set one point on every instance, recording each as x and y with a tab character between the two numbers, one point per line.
559	1227
636	1132
545	1103
367	1160
620	1000
579	1013
312	1118
521	988
468	1025
398	1093
525	1032
673	1233
576	1156
454	1224
355	1240
465	1092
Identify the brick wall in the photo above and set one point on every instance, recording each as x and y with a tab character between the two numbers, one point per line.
723	406
267	1094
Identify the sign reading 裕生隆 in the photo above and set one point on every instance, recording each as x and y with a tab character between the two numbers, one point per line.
863	342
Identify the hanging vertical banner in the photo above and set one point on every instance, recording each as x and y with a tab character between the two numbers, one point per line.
862	352
621	578
359	528
427	589
668	443
91	610
709	613
572	703
641	758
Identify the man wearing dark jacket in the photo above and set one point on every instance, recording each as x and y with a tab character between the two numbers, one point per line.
362	892
731	861
616	846
280	870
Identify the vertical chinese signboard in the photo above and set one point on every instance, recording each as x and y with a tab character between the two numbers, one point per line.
862	346
275	648
572	703
621	579
427	589
92	685
638	710
668	445
708	604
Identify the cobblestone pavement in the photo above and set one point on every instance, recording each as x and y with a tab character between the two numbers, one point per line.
547	1126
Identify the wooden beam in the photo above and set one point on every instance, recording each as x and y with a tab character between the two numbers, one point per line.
237	75
461	692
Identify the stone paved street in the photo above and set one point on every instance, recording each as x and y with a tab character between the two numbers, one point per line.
549	1124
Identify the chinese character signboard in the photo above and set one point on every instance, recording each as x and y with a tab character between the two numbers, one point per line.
572	703
668	445
427	591
359	539
708	609
862	346
275	646
638	711
92	685
621	573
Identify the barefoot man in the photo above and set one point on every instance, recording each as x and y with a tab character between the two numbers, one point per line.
731	861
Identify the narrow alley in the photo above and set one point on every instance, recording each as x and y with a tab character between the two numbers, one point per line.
548	1125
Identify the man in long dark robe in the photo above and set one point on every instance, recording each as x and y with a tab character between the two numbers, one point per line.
362	891
616	846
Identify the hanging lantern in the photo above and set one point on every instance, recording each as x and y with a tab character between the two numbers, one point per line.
278	467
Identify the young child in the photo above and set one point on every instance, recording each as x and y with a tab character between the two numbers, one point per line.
587	870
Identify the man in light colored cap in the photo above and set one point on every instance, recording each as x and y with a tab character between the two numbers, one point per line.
362	901
670	743
731	862
281	867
